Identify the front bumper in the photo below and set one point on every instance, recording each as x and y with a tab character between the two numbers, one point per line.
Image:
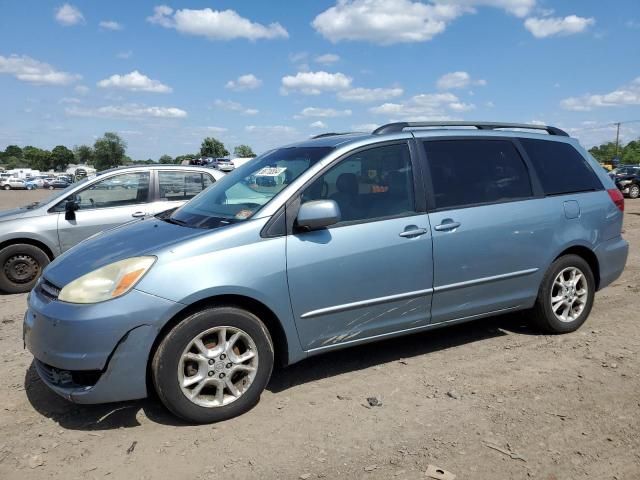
109	341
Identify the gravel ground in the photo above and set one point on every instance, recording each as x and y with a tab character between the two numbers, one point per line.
486	400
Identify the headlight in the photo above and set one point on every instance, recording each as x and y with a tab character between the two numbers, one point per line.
107	282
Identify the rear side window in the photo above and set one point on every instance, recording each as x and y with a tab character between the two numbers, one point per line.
560	167
468	172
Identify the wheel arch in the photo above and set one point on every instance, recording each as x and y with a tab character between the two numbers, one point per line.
264	313
588	256
29	241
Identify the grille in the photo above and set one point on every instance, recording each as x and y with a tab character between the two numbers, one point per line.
48	290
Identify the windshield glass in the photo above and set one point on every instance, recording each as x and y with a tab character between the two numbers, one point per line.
238	195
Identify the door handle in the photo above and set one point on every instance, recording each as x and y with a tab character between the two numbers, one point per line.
447	225
138	215
413	232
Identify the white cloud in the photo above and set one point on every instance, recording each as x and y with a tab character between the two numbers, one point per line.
298	57
314	83
454	80
244	82
235	107
69	100
519	8
270	130
134	82
385	21
216	129
82	89
327	58
365	127
318	124
68	15
324	112
369	94
27	69
125	55
435	106
130	110
110	25
214	24
623	96
557	26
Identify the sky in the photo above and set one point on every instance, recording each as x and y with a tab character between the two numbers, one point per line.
267	73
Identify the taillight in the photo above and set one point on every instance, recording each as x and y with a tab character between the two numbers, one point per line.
617	198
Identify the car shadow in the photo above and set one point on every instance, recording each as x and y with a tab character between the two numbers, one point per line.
126	414
400	348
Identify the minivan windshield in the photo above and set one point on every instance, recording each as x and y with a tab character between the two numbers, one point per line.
240	194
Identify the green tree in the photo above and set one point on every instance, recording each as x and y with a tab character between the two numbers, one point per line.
244	151
83	154
165	159
15	162
631	152
61	157
604	153
213	148
37	158
13	151
109	151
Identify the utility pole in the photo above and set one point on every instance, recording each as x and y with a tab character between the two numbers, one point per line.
617	137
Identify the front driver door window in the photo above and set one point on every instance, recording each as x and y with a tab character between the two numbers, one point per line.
104	204
369	274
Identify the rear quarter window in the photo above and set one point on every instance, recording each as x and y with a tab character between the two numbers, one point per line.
560	167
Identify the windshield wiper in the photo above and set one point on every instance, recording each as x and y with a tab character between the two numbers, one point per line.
175	221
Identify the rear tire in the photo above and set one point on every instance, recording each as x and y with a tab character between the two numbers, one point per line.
634	191
565	297
198	369
7	187
20	267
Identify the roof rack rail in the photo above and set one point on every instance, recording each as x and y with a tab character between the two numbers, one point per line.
400	126
330	134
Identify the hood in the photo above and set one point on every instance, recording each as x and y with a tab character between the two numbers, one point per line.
20	212
130	240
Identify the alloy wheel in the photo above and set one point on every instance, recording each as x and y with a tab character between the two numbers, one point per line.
569	294
218	366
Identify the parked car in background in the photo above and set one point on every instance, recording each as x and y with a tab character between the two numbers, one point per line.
345	239
623	171
58	183
13	183
32	236
223	164
629	183
31	184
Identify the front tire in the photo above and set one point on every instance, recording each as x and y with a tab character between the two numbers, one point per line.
565	297
213	365
7	187
20	267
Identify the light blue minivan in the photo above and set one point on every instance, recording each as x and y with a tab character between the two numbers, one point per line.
323	244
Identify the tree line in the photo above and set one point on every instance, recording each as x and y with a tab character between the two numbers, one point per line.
628	154
108	151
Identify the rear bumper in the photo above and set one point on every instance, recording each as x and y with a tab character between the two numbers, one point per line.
612	257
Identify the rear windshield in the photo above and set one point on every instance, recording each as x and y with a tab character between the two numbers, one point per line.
560	167
240	194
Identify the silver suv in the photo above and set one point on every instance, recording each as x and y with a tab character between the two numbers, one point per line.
33	235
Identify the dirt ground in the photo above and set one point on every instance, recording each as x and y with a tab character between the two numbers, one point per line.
486	400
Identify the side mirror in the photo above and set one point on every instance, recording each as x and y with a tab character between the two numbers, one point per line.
70	208
318	214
